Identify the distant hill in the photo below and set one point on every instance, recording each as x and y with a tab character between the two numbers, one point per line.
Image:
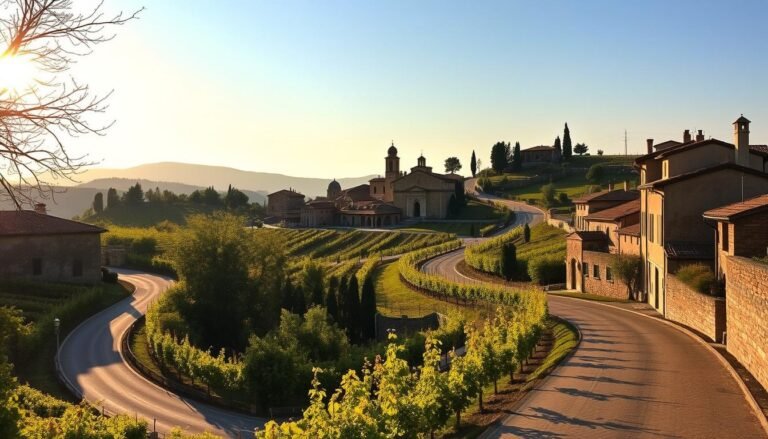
66	202
122	185
220	177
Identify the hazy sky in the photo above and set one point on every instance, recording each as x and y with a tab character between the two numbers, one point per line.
319	88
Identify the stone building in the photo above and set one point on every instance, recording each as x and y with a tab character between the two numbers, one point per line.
385	201
284	206
595	202
40	247
677	185
539	154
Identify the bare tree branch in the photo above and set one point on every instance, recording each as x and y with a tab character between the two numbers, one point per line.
36	122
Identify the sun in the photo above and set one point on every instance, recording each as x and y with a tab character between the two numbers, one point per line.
16	73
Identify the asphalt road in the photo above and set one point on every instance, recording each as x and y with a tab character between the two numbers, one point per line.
92	361
631	376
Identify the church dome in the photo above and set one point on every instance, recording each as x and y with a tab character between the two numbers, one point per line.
334	186
392	150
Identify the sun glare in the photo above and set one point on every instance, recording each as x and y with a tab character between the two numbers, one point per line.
16	73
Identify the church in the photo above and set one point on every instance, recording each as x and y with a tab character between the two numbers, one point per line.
385	201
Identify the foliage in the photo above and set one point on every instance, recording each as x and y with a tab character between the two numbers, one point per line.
134	195
482	257
595	172
499	156
562	197
508	260
600	152
452	165
98	202
558	147
548	193
547	269
526	233
473	164
567	148
580	148
697	276
113	200
368	310
627	269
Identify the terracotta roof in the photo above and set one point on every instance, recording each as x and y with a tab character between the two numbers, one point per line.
588	236
689	250
757	149
287	192
735	210
540	148
667	144
320	204
615	195
28	222
617	212
704	171
371	209
633	230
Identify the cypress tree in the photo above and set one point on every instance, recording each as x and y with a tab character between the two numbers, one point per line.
98	202
508	260
517	157
299	301
558	149
341	299
352	307
567	147
527	233
473	164
368	309
331	305
288	300
317	294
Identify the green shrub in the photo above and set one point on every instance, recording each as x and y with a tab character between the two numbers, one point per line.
545	270
697	276
548	193
595	173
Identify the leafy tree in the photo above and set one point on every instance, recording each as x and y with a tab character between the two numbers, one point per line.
473	164
600	152
567	147
548	193
39	116
508	260
98	202
235	199
527	233
452	165
580	148
11	326
627	268
368	309
134	195
595	173
273	370
299	301
517	157
213	257
431	390
562	197
499	157
112	198
211	197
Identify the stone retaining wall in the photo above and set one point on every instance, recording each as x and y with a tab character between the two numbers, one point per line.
602	286
747	300
701	312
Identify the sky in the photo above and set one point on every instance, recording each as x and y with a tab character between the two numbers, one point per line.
321	88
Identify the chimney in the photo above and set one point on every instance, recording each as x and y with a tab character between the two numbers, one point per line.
687	136
40	208
650	145
741	140
626	185
610	187
700	136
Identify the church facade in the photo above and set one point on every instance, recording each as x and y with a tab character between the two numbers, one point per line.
385	201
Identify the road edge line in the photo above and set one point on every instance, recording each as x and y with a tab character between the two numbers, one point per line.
756	409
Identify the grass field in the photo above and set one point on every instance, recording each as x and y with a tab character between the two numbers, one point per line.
394	298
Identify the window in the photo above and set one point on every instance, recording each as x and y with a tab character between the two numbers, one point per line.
596	271
651	223
37	267
608	274
724	235
374	189
585	269
77	268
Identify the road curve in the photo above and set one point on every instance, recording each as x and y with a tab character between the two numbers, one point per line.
92	362
631	376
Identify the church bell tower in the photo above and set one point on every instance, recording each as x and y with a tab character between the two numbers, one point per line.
392	172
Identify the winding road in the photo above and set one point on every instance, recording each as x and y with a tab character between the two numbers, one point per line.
631	376
92	363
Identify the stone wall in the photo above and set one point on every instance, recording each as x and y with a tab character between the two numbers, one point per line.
747	300
52	258
602	286
701	312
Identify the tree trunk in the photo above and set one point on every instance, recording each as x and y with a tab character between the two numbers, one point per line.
458	419
480	401
511	376
495	387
